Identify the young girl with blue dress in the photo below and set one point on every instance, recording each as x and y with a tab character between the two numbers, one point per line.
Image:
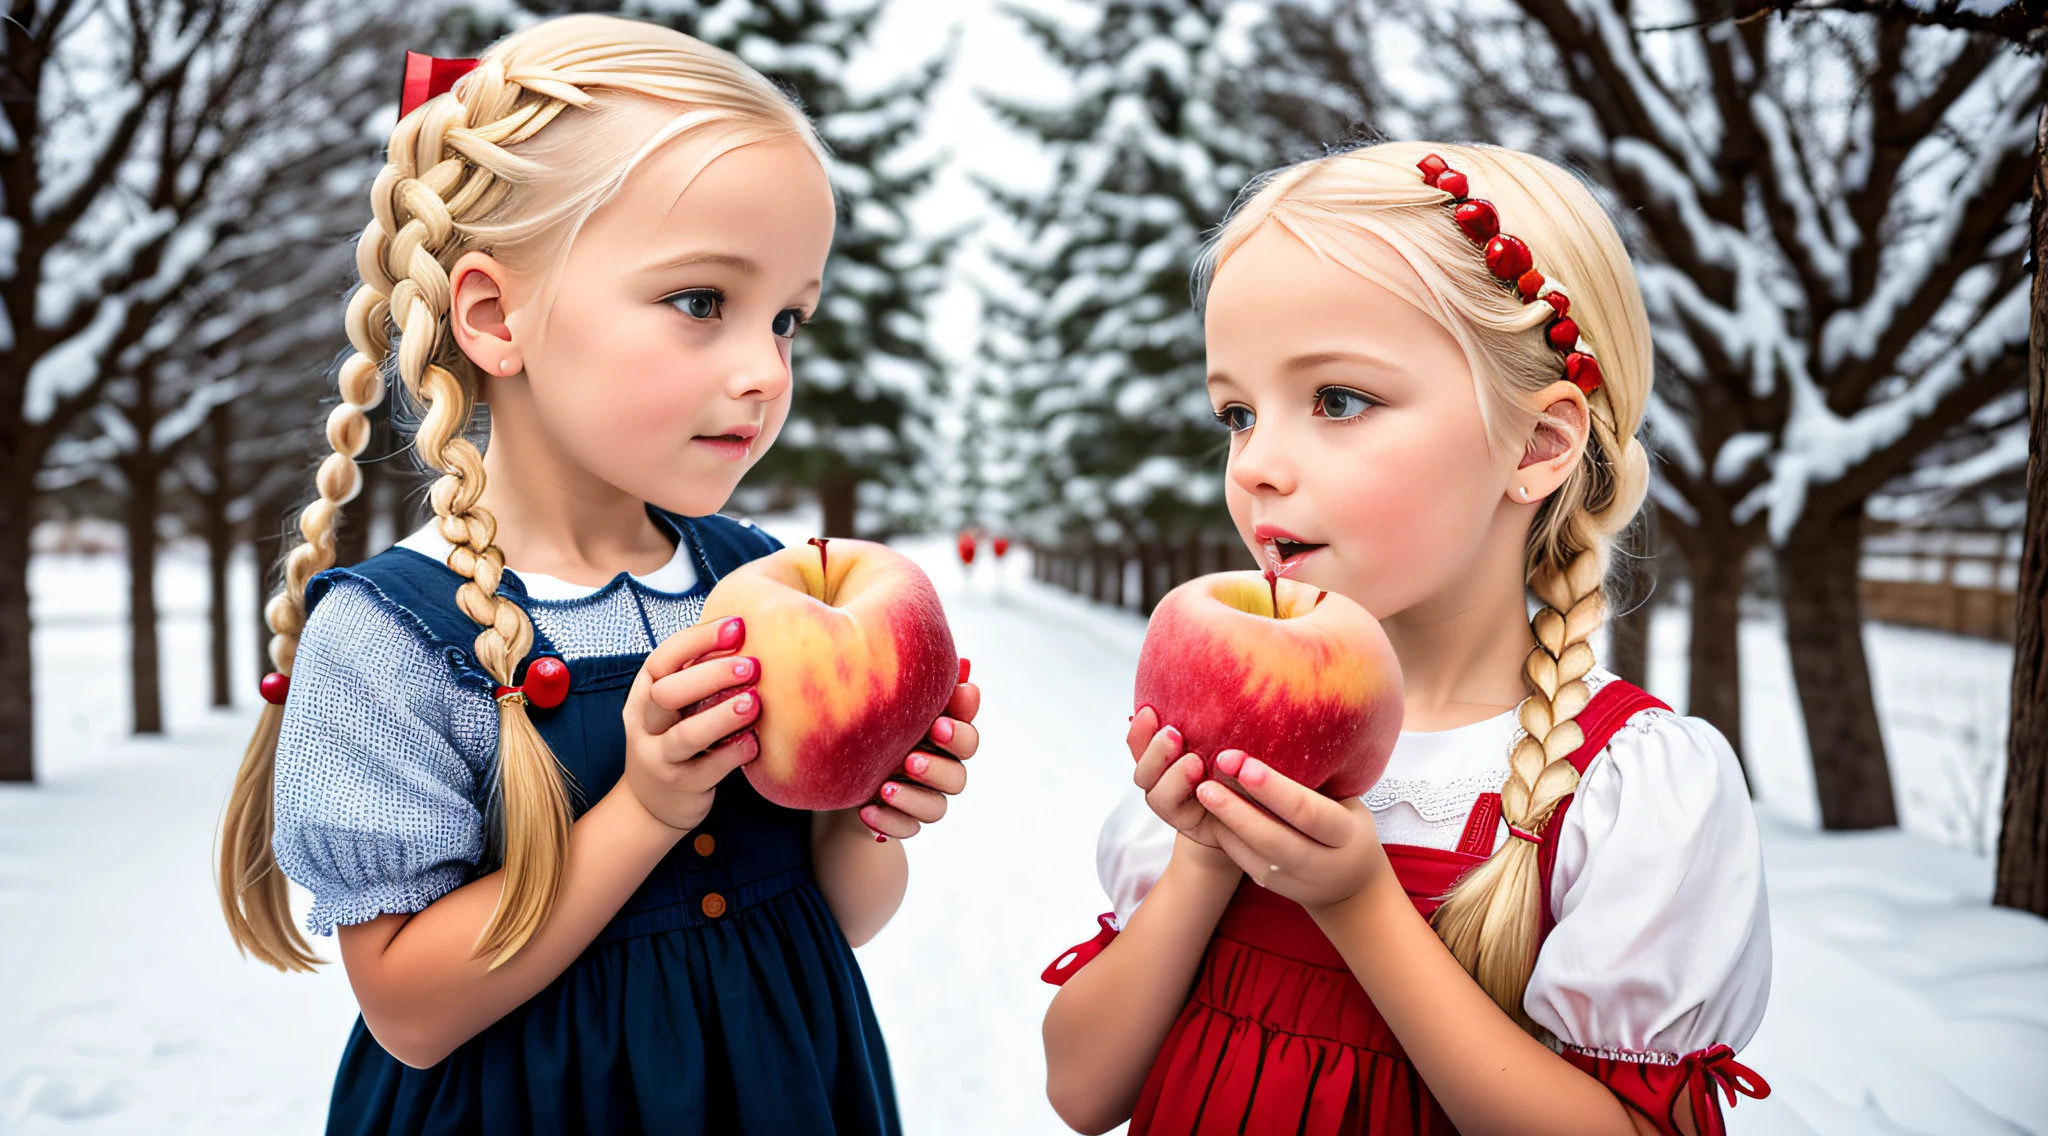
499	754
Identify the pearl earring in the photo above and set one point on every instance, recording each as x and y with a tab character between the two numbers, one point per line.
505	368
1524	491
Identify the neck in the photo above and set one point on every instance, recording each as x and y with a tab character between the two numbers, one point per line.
1462	649
554	516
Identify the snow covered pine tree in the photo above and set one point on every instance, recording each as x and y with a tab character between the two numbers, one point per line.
1122	449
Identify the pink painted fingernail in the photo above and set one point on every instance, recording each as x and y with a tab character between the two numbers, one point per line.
1210	792
890	790
1173	737
965	669
917	764
942	731
1230	761
743	668
1251	770
732	633
744	704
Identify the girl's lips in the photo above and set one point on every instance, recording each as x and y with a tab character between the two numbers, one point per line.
732	447
1286	556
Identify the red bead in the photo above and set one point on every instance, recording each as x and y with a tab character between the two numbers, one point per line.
1001	545
1564	335
966	548
1432	167
274	687
1527	286
1582	370
1559	303
1453	183
1478	220
547	682
1507	257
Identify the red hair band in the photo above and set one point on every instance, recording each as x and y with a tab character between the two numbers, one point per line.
1511	263
426	76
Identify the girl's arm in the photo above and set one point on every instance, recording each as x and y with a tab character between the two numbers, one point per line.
422	988
1489	1075
863	879
1105	1026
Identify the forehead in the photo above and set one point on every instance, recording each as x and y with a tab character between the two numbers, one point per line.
1274	279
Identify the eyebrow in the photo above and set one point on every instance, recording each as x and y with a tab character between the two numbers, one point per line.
724	259
1317	359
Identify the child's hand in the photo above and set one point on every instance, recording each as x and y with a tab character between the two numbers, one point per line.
1168	777
674	761
904	807
1307	847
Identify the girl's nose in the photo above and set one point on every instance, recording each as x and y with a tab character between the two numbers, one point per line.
760	370
1262	466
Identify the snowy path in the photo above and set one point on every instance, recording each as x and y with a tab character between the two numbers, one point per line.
1901	1003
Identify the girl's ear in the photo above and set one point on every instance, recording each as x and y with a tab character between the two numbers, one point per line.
1556	442
476	314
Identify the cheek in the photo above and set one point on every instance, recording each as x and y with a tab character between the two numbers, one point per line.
1411	509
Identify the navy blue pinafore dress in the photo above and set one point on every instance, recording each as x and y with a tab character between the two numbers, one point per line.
722	998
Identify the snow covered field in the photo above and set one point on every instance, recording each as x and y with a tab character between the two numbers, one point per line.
1902	1003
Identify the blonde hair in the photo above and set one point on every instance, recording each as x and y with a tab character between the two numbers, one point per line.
1338	206
513	161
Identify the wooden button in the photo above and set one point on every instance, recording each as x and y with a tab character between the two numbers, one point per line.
704	844
714	905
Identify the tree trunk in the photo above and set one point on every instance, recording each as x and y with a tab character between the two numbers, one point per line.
1714	686
1817	574
145	695
837	496
2023	838
1629	638
220	549
17	701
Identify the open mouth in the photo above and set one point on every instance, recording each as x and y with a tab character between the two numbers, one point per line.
727	445
1286	555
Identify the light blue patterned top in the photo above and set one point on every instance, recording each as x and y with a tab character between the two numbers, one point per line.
383	757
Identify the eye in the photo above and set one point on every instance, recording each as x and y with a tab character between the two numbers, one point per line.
787	321
1340	403
1237	417
699	303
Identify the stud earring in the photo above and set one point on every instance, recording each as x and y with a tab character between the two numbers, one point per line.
504	366
1524	491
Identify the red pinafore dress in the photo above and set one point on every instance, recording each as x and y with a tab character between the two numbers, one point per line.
1278	1036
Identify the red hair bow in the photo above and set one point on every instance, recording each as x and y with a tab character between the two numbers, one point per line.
426	76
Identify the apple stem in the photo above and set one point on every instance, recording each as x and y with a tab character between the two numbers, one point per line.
1273	586
1319	601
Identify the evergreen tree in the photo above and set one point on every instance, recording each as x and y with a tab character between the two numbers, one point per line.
866	376
1120	444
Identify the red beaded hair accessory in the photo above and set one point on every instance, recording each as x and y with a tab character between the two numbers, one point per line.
1511	263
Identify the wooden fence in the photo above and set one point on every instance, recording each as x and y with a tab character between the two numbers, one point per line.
1957	581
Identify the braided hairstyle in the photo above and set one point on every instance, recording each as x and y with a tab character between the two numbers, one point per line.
512	161
1341	203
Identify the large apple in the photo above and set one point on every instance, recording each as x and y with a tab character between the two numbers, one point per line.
1303	680
856	662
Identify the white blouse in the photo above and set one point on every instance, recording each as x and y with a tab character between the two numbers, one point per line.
1662	942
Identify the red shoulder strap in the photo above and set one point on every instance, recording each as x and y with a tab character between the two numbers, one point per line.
1602	718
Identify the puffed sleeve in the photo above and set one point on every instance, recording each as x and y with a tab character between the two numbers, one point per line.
1659	966
379	761
1662	943
1131	854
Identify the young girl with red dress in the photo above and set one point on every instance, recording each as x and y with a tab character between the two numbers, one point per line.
1549	915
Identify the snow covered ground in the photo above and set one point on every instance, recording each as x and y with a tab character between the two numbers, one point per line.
1902	1002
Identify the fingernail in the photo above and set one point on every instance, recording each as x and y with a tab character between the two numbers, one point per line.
917	764
965	668
1251	771
732	633
942	730
1209	792
1230	761
1173	737
890	790
742	668
744	704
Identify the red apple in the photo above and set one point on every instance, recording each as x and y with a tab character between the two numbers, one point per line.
856	662
1303	680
